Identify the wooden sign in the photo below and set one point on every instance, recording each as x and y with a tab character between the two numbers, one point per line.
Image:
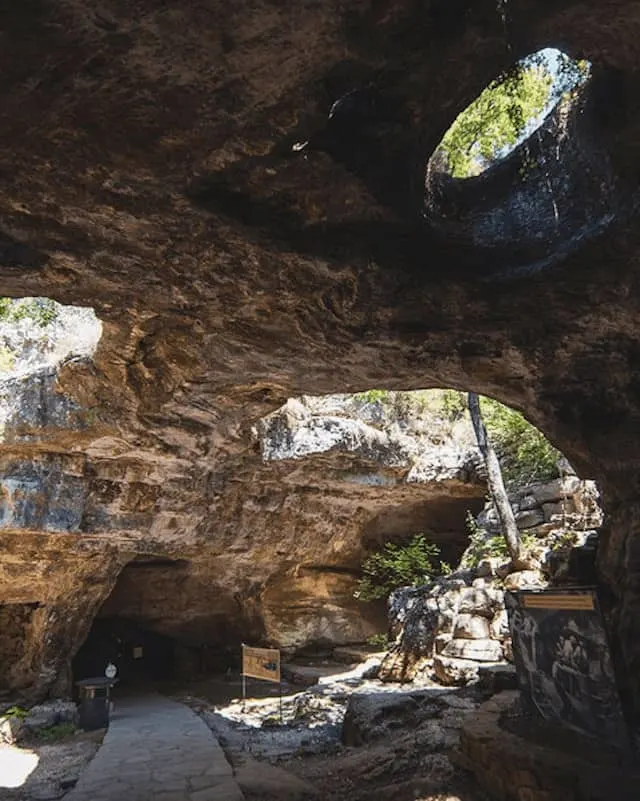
261	663
547	600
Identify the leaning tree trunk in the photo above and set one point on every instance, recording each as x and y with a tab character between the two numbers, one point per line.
494	480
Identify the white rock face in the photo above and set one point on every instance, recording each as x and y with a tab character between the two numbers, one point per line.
472	627
67	331
422	447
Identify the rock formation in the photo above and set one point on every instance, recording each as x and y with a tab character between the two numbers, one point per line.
328	480
449	629
151	170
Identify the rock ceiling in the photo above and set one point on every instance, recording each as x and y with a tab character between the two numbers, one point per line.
147	169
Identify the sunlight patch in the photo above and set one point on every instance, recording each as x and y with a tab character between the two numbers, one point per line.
508	111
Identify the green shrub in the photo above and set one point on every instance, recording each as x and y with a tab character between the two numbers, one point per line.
51	734
395	566
373	396
525	453
380	641
15	712
42	311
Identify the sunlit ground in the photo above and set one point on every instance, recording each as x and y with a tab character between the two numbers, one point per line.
16	765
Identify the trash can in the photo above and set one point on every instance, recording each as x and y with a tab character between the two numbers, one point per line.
94	703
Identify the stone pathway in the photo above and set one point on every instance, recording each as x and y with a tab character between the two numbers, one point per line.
157	750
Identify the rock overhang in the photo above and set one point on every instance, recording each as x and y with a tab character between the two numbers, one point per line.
301	274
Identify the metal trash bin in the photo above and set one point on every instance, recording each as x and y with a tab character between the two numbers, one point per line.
94	703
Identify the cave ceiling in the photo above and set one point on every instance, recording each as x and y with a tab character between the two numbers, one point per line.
151	167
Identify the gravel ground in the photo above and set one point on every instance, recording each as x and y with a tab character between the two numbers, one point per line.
303	757
45	772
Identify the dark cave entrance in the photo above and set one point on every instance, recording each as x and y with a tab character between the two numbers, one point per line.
141	655
132	629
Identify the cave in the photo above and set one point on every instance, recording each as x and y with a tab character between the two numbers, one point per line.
149	172
443	519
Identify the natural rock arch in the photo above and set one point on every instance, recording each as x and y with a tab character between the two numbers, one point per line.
147	171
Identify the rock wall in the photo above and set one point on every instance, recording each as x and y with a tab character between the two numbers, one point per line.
450	628
162	184
276	558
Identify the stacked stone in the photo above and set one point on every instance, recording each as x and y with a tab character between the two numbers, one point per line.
458	624
471	630
541	507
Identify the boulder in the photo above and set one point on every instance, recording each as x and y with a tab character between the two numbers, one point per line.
555	490
479	650
529	519
558	509
523	579
499	628
528	502
370	716
50	714
480	601
471	627
451	671
11	728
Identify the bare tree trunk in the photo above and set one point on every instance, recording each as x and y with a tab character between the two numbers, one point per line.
494	480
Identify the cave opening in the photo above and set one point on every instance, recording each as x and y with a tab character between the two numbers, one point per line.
134	628
38	333
523	175
512	108
408	462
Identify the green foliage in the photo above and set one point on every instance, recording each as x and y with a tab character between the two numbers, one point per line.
43	311
454	403
502	115
496	119
16	712
373	396
485	546
7	359
525	454
380	641
396	566
51	734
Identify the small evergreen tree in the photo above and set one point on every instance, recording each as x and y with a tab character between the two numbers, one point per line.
396	566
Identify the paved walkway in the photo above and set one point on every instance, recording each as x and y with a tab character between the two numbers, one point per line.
157	750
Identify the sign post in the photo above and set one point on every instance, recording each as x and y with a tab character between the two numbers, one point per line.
261	663
563	662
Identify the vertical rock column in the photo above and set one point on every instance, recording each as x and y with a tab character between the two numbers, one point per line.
619	567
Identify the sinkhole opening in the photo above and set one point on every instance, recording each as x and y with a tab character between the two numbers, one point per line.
509	110
523	175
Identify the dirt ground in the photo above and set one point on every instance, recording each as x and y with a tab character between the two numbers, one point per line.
406	740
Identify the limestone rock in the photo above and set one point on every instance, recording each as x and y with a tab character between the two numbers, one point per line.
499	628
529	519
481	601
555	490
558	509
272	783
50	714
523	579
369	715
479	650
452	671
11	728
471	627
